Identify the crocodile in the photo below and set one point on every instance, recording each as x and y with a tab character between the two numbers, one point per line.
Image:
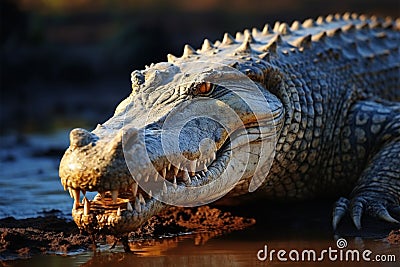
287	112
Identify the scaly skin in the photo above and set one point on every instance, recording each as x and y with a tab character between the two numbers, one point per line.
330	108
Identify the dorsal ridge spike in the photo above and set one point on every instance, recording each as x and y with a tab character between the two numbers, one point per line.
349	28
171	58
330	18
354	15
207	45
363	17
228	39
396	24
273	44
334	32
188	51
255	32
239	36
308	23
245	47
284	29
319	37
320	20
248	36
276	27
303	41
346	16
267	30
296	25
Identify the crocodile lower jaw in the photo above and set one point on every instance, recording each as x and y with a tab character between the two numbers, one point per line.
126	209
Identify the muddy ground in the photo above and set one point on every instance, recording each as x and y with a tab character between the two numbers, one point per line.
51	234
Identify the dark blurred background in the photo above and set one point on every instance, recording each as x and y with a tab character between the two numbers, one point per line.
67	63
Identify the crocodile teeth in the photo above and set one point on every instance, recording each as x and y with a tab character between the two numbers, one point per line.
119	211
138	208
129	207
169	166
164	172
86	206
141	199
165	187
175	184
150	194
134	189
176	168
156	177
205	167
192	167
114	196
76	194
70	192
198	164
185	175
146	179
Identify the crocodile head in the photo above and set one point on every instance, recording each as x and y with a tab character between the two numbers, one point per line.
189	133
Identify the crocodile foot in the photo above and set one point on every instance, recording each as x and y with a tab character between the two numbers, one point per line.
372	205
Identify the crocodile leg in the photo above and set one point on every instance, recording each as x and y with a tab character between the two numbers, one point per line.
377	191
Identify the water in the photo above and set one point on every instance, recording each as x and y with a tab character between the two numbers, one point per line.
228	250
30	187
29	181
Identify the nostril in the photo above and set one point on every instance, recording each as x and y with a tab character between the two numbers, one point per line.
80	137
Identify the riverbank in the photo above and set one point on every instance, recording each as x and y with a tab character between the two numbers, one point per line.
50	234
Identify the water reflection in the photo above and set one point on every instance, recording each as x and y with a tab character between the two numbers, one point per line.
227	250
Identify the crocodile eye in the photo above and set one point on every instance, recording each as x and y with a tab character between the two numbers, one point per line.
205	88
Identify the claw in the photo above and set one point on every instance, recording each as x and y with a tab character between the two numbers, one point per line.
356	213
386	216
339	211
382	213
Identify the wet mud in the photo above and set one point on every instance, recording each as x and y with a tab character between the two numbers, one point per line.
50	234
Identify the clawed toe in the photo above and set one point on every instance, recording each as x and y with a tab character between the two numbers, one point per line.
357	206
339	210
380	211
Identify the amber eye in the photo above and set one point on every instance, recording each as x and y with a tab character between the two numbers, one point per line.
205	88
